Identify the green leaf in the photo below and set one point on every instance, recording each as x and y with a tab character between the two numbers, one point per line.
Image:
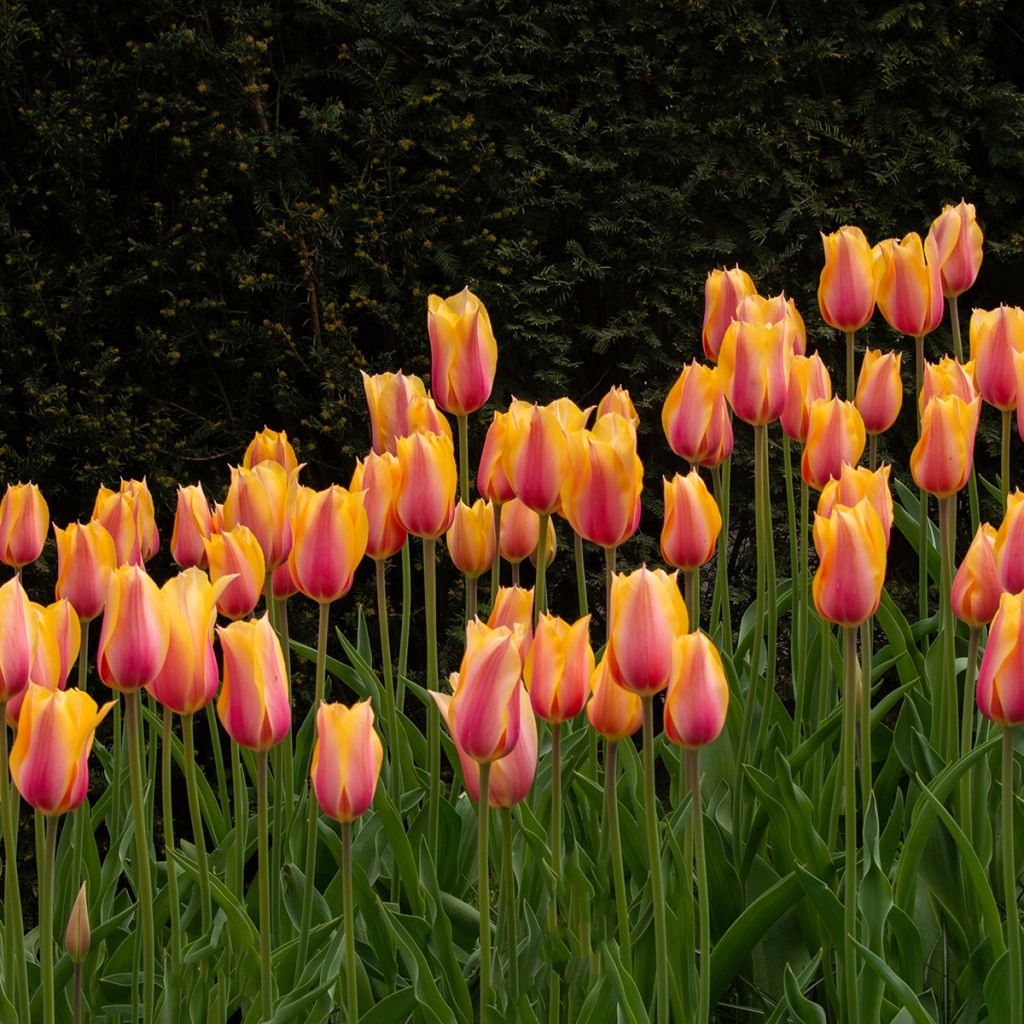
803	1010
630	1002
898	986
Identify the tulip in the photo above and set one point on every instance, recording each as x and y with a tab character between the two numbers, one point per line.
471	537
236	553
129	517
260	499
389	396
491	481
908	282
647	614
1001	676
723	292
513	607
696	419
379	477
692	522
188	679
942	458
567	412
618	400
947	377
347	757
612	710
851	549
958	241
85	558
753	364
558	668
282	583
854	483
520	531
271	446
996	335
536	455
809	380
601	491
425	500
19	638
193	524
254	706
78	936
1018	373
135	633
698	694
330	533
24	522
846	288
49	760
759	310
879	390
426	418
59	635
463	352
976	586
835	436
1008	546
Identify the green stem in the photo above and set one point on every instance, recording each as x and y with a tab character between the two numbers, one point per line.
954	323
654	859
866	649
46	918
704	910
922	516
312	807
471	588
771	640
1004	475
950	726
540	602
117	760
76	998
144	891
515	574
1016	1011
79	812
266	992
388	690
348	909
851	379
691	595
787	462
241	796
463	422
800	682
83	654
972	494
218	758
555	842
611	808
198	836
496	564
850	823
873	452
168	812
967	730
508	882
485	892
403	639
581	576
720	485
15	966
433	715
796	651
609	574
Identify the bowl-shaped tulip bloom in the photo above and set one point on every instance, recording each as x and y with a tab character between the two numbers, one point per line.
851	571
1001	675
879	396
129	516
86	556
59	637
558	668
389	397
425	503
856	482
846	288
520	533
942	458
491	481
513	608
471	537
697	698
261	498
254	706
692	522
647	614
347	757
958	240
996	335
193	524
778	309
618	400
271	446
808	381
379	476
753	365
24	523
723	292
976	586
463	352
236	555
1008	545
49	760
835	436
947	377
329	530
908	284
135	632
535	456
19	638
612	710
695	417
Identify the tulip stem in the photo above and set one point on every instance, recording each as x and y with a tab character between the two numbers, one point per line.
312	807
46	916
954	323
654	859
771	641
168	811
433	714
263	870
850	823
691	595
540	601
704	910
515	574
471	582
800	683
83	654
144	887
1016	1009
241	821
463	422
554	1002
609	575
496	564
388	695
218	758
351	993
947	703
403	638
1004	476
484	891
873	452
611	810
922	515
76	998
581	575
851	379
720	485
867	632
15	966
508	881
967	730
787	461
198	836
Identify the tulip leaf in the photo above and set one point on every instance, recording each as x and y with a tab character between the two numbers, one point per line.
802	1009
630	1001
903	992
394	1007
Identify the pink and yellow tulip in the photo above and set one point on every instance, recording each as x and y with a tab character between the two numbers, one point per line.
346	762
535	456
193	524
261	499
879	390
723	292
464	355
697	698
958	240
236	555
908	284
379	477
24	522
753	365
996	336
851	550
1001	676
425	500
695	417
19	638
846	288
271	446
86	556
976	586
835	437
692	522
471	538
330	530
558	668
136	630
809	380
942	458
612	710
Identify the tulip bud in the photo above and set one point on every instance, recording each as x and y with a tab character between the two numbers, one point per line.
463	353
49	760
254	706
647	614
389	396
846	288
558	668
346	760
511	608
958	240
491	481
879	390
1008	546
330	532
976	586
854	483
85	558
24	522
696	419
908	284
851	551
520	532
698	693
753	365
236	554
996	335
612	710
425	501
271	446
808	381
136	630
723	292
260	498
19	638
193	523
78	937
941	460
618	400
471	537
692	522
835	435
1001	675
536	455
947	377
379	477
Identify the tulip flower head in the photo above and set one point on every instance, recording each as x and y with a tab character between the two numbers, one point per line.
696	417
942	458
723	292
520	532
59	637
282	583
908	284
77	936
1001	675
1008	545
261	498
271	446
698	694
692	522
19	638
996	336
491	481
346	760
193	524
958	240
851	550
536	455
471	537
389	397
558	668
757	309
379	476
976	586
254	706
86	556
947	377
425	499
236	555
809	380
753	365
612	710
24	522
835	436
135	632
463	352
618	400
129	517
856	482
330	531
846	288
513	607
879	390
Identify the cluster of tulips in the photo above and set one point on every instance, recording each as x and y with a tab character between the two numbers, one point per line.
273	537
